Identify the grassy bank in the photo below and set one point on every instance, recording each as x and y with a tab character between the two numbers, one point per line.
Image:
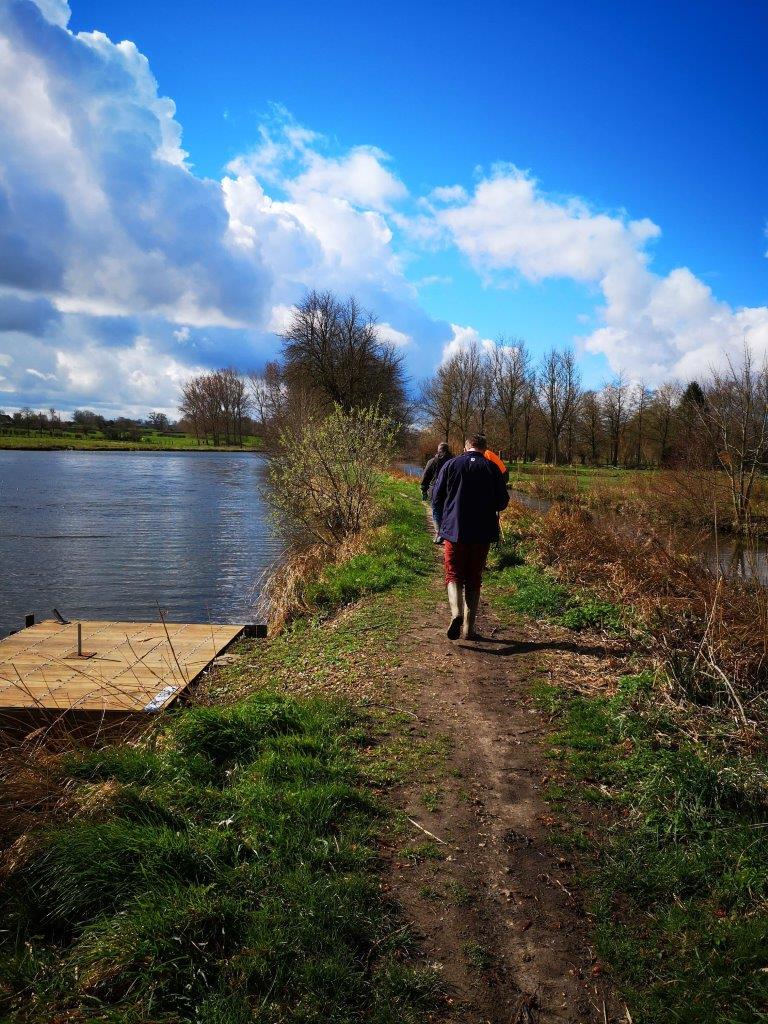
657	779
676	827
151	441
226	868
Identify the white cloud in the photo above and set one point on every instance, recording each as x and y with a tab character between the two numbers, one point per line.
109	242
654	326
463	337
131	379
98	211
280	318
56	11
509	224
448	194
391	336
360	177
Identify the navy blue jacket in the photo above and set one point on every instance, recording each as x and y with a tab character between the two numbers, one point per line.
467	496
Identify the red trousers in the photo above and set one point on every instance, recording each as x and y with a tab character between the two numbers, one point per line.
464	563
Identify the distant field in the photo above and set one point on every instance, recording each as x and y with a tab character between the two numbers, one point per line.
150	441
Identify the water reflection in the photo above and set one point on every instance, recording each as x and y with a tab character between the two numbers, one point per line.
114	535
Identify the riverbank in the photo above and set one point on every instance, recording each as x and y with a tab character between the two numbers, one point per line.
67	444
357	818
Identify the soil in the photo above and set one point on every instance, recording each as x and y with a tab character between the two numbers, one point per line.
501	914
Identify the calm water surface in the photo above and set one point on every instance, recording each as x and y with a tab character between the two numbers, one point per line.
114	535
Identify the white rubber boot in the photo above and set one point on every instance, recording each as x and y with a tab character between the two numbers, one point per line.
456	601
472	601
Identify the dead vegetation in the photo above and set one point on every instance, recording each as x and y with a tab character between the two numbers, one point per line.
706	631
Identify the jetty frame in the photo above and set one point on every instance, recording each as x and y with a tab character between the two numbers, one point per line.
108	667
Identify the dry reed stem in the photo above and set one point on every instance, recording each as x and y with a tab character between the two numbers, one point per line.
710	632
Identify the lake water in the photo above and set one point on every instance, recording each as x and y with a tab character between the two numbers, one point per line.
114	535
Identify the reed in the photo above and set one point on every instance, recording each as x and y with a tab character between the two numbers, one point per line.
708	632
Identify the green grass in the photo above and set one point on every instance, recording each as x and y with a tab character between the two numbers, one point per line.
150	441
681	888
531	591
397	557
229	878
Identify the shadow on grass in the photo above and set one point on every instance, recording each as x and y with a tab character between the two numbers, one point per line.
522	647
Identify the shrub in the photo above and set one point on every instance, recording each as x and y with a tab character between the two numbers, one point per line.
322	485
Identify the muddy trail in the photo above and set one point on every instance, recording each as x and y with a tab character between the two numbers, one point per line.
499	913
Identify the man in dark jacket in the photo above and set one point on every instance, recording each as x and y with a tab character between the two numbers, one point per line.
467	497
430	475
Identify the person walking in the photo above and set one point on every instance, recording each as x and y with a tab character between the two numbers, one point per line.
494	458
467	497
429	477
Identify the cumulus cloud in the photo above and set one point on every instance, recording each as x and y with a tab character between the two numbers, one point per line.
361	177
122	271
653	325
508	223
99	211
326	223
109	241
463	337
391	336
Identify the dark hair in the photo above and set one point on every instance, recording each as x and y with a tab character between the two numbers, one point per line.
478	441
443	448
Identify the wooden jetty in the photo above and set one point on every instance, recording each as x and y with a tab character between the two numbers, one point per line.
107	666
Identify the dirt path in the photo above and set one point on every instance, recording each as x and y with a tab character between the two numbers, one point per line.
500	913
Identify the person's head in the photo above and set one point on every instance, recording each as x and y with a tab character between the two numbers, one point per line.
476	443
443	449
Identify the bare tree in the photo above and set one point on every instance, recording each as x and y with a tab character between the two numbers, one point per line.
530	407
511	371
640	400
334	348
734	414
465	370
592	425
558	393
438	400
662	419
485	391
615	400
216	406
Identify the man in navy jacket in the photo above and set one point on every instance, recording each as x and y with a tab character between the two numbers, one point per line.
468	495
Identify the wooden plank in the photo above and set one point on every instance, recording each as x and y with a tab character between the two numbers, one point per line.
136	665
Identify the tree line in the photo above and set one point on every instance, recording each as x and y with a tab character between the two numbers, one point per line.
540	410
84	422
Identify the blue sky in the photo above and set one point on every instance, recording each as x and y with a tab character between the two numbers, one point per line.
565	124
